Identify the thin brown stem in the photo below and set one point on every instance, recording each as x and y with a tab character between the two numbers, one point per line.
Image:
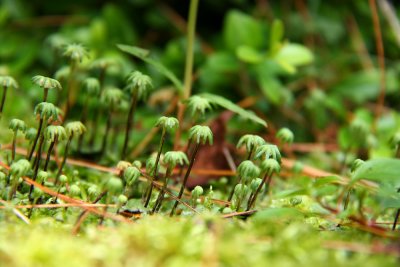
14	142
155	172
252	201
49	150
36	139
64	158
160	197
192	159
3	99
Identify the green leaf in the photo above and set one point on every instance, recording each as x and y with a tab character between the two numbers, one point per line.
278	214
276	36
225	103
291	56
271	88
326	181
379	170
242	29
248	54
143	55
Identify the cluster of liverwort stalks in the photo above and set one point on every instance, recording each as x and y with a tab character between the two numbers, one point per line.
54	130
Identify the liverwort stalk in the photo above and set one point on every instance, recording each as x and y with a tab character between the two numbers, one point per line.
268	168
74	128
16	125
251	142
46	83
53	133
46	112
246	172
171	159
17	169
6	82
167	124
199	135
196	193
112	97
138	87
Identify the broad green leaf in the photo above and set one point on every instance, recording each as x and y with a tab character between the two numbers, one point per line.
242	29
225	103
276	214
379	170
271	88
143	55
276	36
291	56
248	54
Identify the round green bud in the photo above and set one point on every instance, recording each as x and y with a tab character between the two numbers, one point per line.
93	191
63	179
122	199
255	184
75	190
285	135
197	191
42	176
114	185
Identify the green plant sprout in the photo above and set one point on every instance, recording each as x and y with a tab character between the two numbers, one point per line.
171	159
17	170
6	82
16	126
112	97
138	87
241	190
268	167
195	194
46	84
200	135
46	112
197	106
246	171
131	175
268	151
54	134
285	136
166	124
74	128
251	142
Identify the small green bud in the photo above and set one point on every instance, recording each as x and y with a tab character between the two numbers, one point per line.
122	165
17	125
37	192
137	164
248	171
139	84
93	191
197	191
46	82
167	123
198	105
241	190
173	158
92	86
63	179
268	151
30	134
76	52
20	168
75	190
255	184
201	134
114	185
42	176
122	199
270	166
8	82
285	135
131	174
251	141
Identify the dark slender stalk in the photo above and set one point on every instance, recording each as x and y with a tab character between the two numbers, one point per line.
36	139
51	146
14	142
233	189
45	94
36	165
160	197
250	152
3	100
64	158
187	153
106	134
265	180
396	218
129	123
155	172
13	188
192	159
